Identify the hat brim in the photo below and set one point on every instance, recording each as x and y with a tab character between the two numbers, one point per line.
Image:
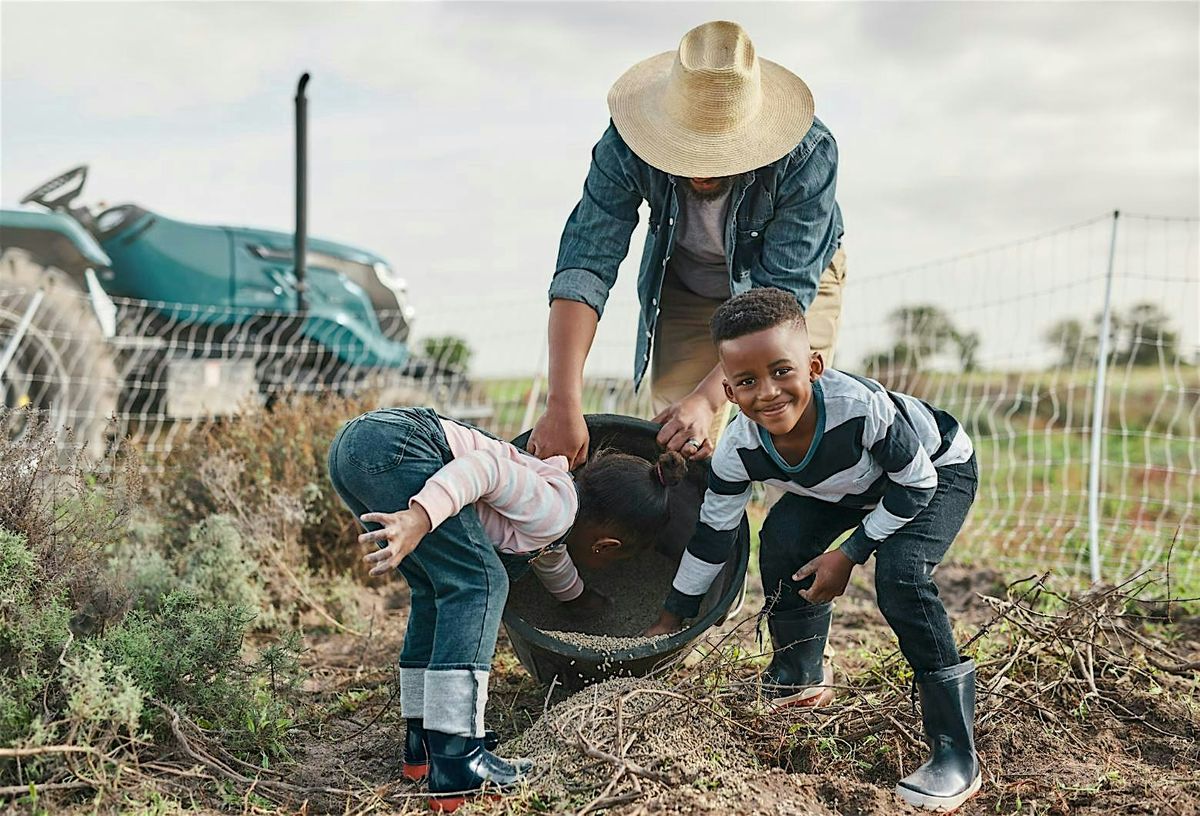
636	105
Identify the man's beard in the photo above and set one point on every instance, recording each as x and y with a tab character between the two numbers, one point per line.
714	192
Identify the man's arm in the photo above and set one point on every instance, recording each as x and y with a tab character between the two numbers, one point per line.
594	242
561	431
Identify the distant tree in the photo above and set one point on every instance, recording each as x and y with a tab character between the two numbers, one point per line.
968	347
921	332
448	352
1139	335
1142	336
1076	345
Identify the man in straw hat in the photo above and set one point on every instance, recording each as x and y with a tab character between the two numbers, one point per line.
740	177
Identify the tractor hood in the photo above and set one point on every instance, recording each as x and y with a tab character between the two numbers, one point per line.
356	305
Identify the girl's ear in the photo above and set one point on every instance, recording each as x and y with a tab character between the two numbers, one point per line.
728	391
816	366
602	546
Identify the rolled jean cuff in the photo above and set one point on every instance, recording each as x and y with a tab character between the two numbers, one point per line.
412	693
455	700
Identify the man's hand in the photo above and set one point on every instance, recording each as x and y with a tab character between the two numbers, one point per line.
668	623
686	425
560	431
402	530
589	604
833	573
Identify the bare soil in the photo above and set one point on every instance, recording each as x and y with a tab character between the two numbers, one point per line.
1036	756
1132	747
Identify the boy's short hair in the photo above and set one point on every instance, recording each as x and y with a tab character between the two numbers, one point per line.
753	311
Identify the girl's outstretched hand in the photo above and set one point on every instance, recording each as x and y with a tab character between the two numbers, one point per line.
402	530
833	573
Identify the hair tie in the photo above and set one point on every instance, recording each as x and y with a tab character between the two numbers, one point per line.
658	470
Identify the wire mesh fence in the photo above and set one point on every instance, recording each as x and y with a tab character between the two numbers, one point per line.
1008	339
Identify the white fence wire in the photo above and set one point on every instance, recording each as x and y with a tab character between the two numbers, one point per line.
1007	339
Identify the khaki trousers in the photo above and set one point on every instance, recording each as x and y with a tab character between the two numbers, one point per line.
684	352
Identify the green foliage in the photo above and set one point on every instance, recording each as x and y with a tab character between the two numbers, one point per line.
448	353
102	700
186	652
34	627
920	333
217	569
1140	335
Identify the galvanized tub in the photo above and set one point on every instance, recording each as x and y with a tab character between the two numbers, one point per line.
547	658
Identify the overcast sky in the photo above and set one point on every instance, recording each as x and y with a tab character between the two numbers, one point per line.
453	138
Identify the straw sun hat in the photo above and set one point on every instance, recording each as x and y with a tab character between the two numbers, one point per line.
712	108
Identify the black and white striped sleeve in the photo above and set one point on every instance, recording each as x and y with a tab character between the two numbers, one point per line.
716	532
912	478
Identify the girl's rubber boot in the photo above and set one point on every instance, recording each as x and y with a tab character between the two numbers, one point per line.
951	775
798	674
416	749
460	767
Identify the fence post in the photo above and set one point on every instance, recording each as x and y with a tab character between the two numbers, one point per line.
1098	411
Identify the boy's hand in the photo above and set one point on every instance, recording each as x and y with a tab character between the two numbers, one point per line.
589	604
402	530
833	573
668	623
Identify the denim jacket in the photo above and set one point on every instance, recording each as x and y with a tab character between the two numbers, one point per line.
784	226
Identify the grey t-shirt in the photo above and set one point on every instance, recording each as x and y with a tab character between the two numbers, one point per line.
698	259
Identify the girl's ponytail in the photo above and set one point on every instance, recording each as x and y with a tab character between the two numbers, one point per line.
670	469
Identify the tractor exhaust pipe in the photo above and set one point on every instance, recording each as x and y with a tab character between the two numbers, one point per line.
300	248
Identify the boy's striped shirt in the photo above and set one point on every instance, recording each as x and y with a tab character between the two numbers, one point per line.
873	449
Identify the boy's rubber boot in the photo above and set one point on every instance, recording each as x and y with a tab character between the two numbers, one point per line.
460	767
798	674
416	749
951	775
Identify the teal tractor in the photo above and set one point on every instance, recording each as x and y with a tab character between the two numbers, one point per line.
122	311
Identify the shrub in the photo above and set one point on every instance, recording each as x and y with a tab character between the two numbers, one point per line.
264	475
186	652
34	628
267	472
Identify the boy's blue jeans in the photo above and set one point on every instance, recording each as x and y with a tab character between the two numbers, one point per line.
799	528
457	580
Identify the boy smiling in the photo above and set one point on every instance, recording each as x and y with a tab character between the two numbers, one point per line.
849	454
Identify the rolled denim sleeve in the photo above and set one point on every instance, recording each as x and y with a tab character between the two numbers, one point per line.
801	234
595	239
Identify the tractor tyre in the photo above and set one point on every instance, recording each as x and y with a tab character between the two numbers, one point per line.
63	365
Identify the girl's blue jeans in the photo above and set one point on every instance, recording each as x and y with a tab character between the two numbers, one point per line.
457	580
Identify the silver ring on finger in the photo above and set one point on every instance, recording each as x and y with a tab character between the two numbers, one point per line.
695	443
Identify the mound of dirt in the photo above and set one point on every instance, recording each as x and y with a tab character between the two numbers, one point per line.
618	735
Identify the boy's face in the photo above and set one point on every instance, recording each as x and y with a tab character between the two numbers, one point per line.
769	375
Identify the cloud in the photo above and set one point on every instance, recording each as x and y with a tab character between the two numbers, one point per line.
453	138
